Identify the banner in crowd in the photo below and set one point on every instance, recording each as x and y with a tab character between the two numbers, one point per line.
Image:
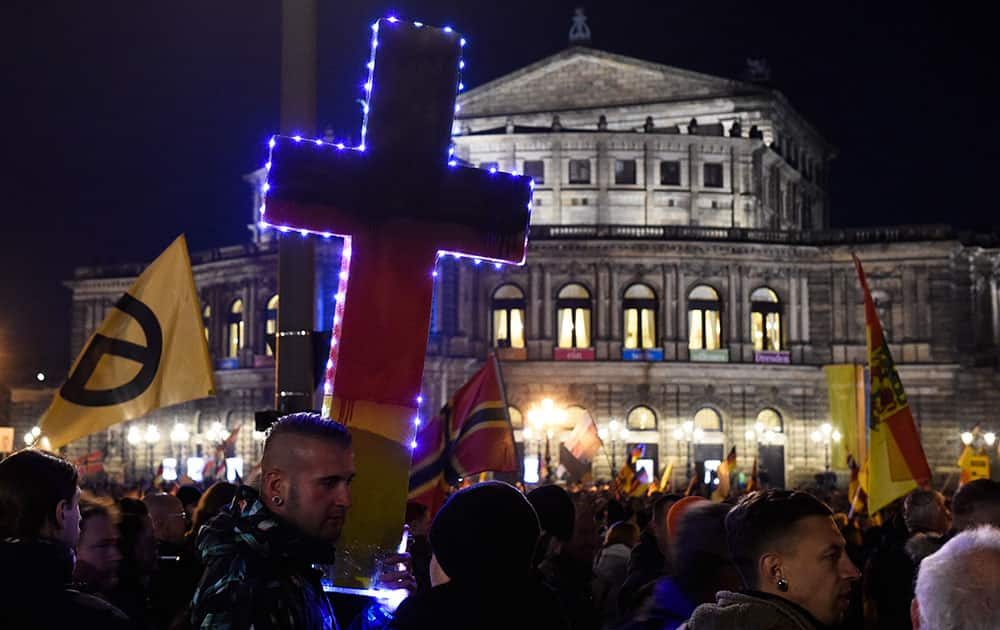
149	352
896	460
848	411
471	434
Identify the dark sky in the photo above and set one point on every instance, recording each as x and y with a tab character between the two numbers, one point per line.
128	122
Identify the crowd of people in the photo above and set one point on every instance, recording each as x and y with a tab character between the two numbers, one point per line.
248	556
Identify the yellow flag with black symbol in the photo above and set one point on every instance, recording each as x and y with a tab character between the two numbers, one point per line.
149	352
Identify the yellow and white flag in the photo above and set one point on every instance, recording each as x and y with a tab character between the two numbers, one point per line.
149	352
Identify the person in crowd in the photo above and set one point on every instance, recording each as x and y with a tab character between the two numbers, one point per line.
791	560
611	568
976	503
889	571
927	521
217	496
259	552
177	569
97	553
702	565
649	559
958	587
189	496
39	529
137	546
483	539
418	520
569	574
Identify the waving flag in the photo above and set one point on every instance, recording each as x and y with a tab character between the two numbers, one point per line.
896	460
471	434
149	352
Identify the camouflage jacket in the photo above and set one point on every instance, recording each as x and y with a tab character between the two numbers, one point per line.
259	573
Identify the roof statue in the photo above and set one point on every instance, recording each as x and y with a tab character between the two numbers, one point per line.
579	33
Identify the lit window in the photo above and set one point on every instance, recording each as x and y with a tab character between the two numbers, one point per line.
579	171
765	319
768	420
704	319
516	419
206	319
708	419
641	418
235	337
271	324
508	317
624	172
535	169
670	173
640	317
573	311
712	175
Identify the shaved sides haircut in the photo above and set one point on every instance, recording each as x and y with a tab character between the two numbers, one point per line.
304	425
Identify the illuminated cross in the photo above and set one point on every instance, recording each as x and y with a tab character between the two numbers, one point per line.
399	203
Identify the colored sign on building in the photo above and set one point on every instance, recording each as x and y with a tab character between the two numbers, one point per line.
635	354
573	354
771	356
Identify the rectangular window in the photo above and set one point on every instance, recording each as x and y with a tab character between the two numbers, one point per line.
535	169
640	328
486	166
624	172
579	171
712	175
574	328
670	173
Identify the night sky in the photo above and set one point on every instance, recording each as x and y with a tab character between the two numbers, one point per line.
127	122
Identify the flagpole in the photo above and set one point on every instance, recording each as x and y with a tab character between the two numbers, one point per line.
506	410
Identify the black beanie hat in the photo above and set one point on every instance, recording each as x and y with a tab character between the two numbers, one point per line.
485	532
555	510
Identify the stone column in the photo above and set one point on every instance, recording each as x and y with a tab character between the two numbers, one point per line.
534	300
793	306
694	180
547	314
805	307
554	179
615	310
649	170
603	180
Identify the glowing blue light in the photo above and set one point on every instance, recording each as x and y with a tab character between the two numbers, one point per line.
461	86
420	400
434	274
368	86
361	147
531	184
343	275
461	64
452	163
267	165
476	262
375	27
451	150
374	43
462	42
447	29
262	208
418	24
266	187
493	170
413	444
498	265
370	65
458	108
271	143
262	225
329	364
297	138
327	235
364	107
285	228
393	19
318	142
416	422
340	145
303	232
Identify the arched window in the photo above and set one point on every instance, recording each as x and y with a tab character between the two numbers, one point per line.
641	418
708	419
704	319
573	312
640	317
206	320
516	419
508	317
271	324
234	341
768	420
765	319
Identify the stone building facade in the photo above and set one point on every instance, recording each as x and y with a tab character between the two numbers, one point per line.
682	282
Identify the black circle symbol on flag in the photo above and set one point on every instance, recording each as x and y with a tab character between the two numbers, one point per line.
75	390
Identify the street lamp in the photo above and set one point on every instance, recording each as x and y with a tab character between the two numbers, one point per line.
688	433
546	418
179	436
151	437
826	435
615	432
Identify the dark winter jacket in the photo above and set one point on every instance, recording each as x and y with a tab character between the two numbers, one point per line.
526	605
34	592
258	572
750	611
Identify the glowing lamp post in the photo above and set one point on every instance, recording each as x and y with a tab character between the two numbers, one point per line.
151	437
179	436
614	433
546	418
827	436
689	434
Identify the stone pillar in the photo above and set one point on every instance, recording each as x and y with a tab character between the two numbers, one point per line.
534	300
734	316
694	181
682	320
615	310
666	317
554	179
805	308
793	306
547	313
649	172
603	180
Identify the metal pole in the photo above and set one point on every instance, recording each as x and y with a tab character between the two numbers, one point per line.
294	384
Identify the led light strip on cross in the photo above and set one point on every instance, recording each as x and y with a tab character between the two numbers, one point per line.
345	260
